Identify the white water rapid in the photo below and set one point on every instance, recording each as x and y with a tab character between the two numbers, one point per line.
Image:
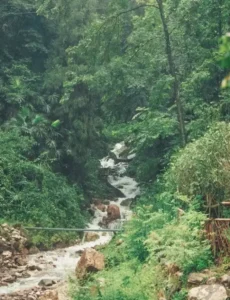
57	265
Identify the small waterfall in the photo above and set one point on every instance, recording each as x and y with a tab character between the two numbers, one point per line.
59	264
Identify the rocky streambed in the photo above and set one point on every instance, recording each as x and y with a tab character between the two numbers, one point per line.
25	274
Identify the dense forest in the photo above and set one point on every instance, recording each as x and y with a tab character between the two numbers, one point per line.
78	76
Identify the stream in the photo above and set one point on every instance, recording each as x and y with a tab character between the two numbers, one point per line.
59	264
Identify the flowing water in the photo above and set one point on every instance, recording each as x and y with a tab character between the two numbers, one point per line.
59	264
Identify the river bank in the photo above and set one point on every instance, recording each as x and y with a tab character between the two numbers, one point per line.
45	269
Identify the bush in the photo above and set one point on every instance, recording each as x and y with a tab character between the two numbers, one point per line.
181	242
182	295
203	167
32	193
138	229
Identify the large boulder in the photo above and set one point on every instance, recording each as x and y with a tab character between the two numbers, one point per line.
208	292
113	213
90	261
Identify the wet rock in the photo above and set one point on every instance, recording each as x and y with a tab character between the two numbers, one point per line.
34	267
91	211
102	207
103	222
46	282
113	212
208	292
91	236
33	250
126	202
21	269
18	275
90	261
115	191
98	204
9	279
40	267
79	252
24	252
196	278
26	275
20	261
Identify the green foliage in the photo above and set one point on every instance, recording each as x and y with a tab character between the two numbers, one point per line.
138	267
182	295
181	242
29	192
224	51
72	69
139	228
124	281
202	167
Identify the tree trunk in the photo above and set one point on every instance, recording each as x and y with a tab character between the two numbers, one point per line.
172	70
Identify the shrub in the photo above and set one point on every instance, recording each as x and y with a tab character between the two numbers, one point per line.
32	193
203	167
138	229
181	243
182	295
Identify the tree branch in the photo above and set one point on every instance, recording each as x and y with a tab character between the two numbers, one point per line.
134	8
116	16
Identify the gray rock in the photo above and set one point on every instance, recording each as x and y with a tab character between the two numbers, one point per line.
79	252
208	292
212	280
26	275
34	250
9	279
225	280
32	267
47	282
196	278
126	202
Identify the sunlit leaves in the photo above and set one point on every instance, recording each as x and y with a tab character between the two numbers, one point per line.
56	124
225	51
